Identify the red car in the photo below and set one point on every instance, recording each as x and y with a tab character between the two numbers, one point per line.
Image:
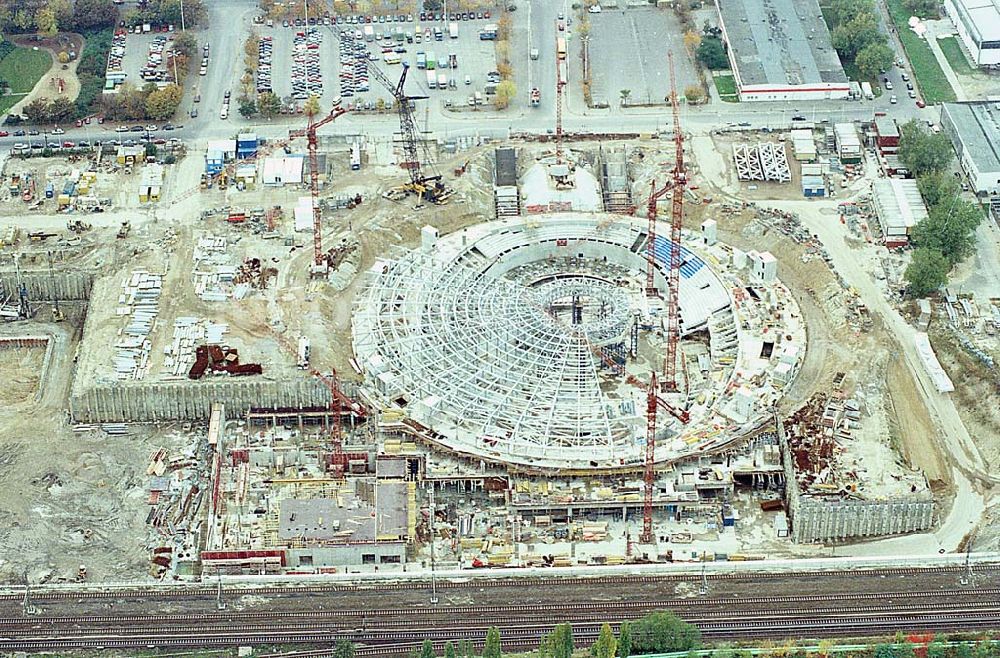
920	103
4	133
68	145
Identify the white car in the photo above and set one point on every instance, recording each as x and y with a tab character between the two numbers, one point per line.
58	131
892	99
596	9
151	128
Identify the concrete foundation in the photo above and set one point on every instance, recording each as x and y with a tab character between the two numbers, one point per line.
838	520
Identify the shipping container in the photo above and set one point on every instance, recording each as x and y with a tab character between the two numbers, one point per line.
453	30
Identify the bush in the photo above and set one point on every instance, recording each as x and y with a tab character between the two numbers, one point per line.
90	70
712	53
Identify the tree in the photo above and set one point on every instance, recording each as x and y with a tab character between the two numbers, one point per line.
186	44
922	8
247	107
841	11
712	54
562	641
491	649
268	104
427	650
851	37
874	58
311	107
938	187
624	94
343	649
694	94
625	640
46	22
92	14
691	41
661	632
923	152
37	111
950	229
449	650
162	103
61	109
506	91
606	644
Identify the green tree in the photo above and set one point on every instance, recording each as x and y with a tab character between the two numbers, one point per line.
624	94
922	8
268	104
927	272
465	646
93	14
37	111
562	641
712	54
937	649
163	103
61	109
694	94
938	187
625	640
885	651
247	107
873	59
449	650
663	631
343	649
491	649
950	229
506	90
841	11
850	37
923	152
427	650
606	644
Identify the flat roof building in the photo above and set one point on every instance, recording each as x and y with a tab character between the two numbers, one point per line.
974	129
899	207
781	50
978	25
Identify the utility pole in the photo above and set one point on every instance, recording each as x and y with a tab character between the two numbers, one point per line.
703	588
27	607
434	595
219	602
182	19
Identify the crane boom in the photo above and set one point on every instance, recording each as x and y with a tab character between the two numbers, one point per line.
676	222
654	196
313	149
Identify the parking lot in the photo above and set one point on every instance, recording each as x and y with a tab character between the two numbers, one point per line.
148	52
628	50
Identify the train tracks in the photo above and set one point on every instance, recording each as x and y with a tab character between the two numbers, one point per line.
392	630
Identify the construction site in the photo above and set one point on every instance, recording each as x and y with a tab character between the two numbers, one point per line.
416	352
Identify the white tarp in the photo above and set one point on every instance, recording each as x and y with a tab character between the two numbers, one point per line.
303	218
282	170
934	369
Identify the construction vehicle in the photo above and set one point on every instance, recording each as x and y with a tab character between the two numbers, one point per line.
77	226
535	96
40	236
426	187
124	230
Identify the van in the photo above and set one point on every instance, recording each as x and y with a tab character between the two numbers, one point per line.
534	53
479	98
468	79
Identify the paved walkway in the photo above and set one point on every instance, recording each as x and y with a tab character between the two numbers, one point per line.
953	80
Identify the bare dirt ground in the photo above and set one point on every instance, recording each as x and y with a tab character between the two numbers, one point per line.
20	371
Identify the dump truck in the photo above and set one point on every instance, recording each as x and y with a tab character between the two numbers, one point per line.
535	96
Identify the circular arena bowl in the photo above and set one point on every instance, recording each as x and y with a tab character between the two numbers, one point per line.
526	342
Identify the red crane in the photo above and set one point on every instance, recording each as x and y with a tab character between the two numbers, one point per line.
560	83
338	402
676	221
310	133
654	196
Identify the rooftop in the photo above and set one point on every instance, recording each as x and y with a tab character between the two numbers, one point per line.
981	17
978	127
898	202
780	42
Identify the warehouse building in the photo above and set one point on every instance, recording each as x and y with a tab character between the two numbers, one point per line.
848	142
780	50
978	25
974	129
899	207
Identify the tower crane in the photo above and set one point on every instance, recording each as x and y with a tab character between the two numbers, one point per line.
560	83
319	263
654	196
676	222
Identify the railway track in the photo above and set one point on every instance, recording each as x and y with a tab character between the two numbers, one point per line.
521	626
147	592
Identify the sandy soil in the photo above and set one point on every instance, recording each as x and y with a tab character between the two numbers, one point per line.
20	371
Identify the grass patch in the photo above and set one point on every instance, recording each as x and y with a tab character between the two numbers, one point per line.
726	86
953	53
931	80
22	68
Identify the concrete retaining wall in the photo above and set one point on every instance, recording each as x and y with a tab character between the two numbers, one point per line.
837	520
62	286
192	401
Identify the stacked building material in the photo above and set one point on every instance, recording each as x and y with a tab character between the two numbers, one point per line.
141	296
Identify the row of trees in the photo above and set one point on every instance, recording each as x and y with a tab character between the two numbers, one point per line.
167	12
947	236
51	16
857	38
656	632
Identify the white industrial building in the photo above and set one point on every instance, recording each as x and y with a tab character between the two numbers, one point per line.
974	129
978	25
899	208
848	142
780	50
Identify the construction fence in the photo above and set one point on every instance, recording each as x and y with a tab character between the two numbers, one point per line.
49	286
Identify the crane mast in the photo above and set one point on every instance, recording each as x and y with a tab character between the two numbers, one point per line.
676	221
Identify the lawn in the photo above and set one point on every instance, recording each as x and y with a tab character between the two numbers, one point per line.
933	85
726	86
22	68
953	53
